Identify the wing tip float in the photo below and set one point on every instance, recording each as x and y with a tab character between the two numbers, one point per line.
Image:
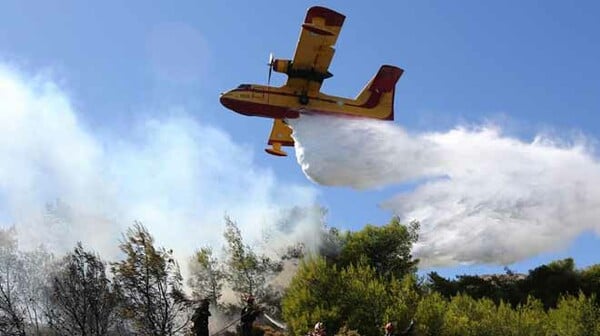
276	150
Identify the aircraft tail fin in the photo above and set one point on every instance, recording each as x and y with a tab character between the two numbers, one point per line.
378	94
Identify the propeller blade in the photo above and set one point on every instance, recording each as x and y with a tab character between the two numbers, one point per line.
269	79
271	62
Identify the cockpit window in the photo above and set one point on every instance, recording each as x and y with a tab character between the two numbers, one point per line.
244	86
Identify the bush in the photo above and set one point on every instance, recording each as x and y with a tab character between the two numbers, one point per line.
575	316
430	314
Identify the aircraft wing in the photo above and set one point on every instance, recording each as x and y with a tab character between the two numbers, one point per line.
281	135
314	51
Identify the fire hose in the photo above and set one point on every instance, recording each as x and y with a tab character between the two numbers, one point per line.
227	326
272	320
275	322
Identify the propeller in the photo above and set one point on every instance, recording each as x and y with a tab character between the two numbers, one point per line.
270	64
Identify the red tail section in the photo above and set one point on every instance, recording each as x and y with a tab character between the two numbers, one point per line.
379	92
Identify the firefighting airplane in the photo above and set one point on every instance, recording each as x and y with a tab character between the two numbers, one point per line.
306	72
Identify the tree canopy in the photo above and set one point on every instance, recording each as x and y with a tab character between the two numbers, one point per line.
386	248
371	281
547	283
355	283
150	285
83	300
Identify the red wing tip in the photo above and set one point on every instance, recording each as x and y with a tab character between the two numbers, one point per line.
392	69
332	18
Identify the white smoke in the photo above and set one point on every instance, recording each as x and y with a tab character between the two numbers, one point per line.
480	196
177	176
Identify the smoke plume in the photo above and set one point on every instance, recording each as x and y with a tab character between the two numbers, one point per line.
480	196
61	182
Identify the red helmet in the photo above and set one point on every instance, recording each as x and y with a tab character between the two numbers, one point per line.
389	326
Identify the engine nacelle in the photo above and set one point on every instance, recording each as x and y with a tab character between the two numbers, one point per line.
280	65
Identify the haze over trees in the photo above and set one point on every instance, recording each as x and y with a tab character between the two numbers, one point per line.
206	276
141	294
354	283
247	272
82	299
149	285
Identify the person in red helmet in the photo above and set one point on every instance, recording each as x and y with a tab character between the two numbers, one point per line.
389	329
249	313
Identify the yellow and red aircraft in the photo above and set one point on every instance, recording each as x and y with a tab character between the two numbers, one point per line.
306	72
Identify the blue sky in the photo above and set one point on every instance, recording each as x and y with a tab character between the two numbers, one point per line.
528	65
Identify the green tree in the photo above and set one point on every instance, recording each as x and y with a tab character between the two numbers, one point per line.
575	316
355	297
590	281
446	288
150	285
370	282
430	314
402	299
532	319
314	294
546	282
496	320
82	299
365	299
386	248
246	272
549	282
206	276
467	316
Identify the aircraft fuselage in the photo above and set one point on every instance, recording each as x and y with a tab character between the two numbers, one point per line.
285	103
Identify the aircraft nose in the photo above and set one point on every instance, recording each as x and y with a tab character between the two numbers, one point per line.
227	102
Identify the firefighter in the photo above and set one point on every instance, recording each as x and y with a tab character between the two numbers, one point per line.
249	313
319	329
389	329
200	319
